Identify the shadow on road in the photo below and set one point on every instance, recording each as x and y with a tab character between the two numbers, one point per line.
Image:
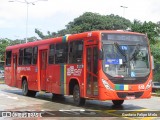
68	100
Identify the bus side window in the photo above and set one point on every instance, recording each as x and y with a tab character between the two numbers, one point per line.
27	56
8	58
76	51
35	54
21	56
51	54
61	55
95	60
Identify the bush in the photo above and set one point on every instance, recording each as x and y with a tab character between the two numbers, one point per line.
157	92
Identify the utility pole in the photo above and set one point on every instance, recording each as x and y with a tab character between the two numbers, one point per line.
124	7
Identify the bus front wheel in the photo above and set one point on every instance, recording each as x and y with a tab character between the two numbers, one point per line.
26	91
117	102
76	96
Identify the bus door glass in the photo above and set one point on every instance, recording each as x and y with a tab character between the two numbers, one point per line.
43	64
92	70
15	69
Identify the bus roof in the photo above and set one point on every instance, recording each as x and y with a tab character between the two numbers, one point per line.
72	36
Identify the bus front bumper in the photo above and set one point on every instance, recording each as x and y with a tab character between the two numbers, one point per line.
105	94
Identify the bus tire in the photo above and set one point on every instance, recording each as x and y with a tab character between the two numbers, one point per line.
117	102
76	96
25	88
26	91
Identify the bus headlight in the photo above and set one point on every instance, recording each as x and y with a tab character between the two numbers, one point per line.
106	84
149	85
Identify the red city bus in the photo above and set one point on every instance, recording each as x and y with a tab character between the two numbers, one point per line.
102	65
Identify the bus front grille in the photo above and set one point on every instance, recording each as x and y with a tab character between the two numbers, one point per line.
123	95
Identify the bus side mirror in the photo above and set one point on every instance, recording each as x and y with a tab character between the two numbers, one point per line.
101	56
152	62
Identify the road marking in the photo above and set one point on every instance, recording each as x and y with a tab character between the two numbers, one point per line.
111	110
10	97
1	94
114	113
145	118
148	118
145	109
15	98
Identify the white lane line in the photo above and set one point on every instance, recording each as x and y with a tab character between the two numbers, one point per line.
10	97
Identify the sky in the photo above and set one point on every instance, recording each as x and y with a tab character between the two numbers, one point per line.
53	15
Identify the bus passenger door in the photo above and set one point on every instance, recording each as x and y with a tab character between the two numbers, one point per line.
92	71
15	70
43	66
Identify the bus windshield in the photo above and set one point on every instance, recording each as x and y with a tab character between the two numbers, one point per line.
125	58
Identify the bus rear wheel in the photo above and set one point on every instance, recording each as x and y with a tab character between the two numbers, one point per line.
117	102
76	96
26	91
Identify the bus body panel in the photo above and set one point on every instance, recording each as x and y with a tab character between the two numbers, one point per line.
53	77
8	76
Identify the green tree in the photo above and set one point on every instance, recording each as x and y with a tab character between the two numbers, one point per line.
90	21
149	28
94	21
3	44
31	39
158	27
153	32
39	33
49	34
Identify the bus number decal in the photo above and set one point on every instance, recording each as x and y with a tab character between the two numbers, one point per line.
74	71
19	69
141	87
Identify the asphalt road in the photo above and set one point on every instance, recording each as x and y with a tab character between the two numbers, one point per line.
19	106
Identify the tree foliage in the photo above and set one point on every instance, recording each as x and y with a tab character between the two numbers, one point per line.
42	36
88	22
149	28
94	21
3	44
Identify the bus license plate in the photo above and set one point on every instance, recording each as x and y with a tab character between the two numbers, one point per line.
130	97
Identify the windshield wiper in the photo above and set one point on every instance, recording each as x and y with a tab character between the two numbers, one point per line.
135	52
119	49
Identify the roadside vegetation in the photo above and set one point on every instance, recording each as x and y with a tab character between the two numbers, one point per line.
157	92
